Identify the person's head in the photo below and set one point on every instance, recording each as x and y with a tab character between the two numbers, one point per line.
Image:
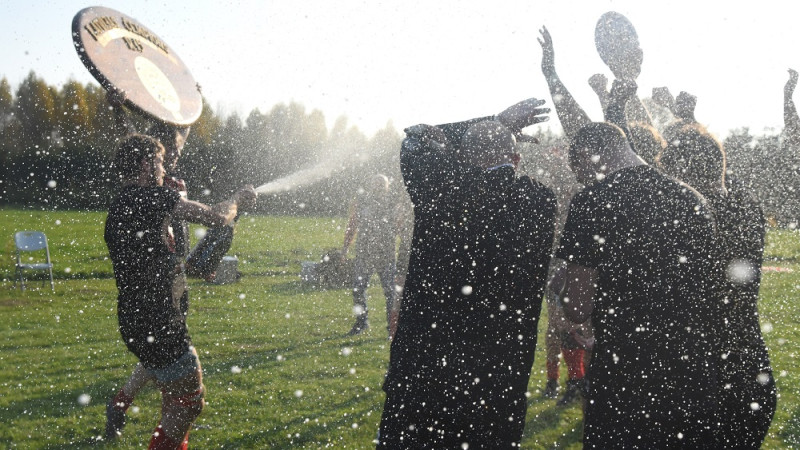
173	138
646	140
488	144
694	156
597	145
140	158
379	184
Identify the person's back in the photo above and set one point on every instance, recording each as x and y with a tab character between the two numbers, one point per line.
653	314
649	240
144	262
465	343
749	395
376	226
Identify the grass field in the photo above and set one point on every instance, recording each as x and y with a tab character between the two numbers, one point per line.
279	370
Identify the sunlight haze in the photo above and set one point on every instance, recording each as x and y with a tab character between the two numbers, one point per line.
414	61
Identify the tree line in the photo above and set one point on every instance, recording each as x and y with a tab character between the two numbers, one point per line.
56	145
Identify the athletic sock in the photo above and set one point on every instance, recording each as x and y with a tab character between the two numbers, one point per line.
185	442
574	360
122	401
160	441
552	370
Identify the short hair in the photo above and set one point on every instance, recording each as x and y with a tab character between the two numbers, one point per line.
166	132
647	141
694	156
601	138
379	183
487	137
134	149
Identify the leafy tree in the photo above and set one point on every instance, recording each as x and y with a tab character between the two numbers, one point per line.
36	109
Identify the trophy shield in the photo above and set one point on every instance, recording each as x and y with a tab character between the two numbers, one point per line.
618	45
122	53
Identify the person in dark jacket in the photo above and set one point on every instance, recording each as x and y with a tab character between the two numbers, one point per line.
747	388
465	342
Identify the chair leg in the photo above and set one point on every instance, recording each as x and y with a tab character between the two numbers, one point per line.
21	280
52	285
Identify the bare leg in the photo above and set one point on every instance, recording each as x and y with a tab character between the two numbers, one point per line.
138	379
182	402
118	405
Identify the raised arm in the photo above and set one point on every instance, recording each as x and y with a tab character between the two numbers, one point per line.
622	91
791	120
599	84
122	124
570	113
350	231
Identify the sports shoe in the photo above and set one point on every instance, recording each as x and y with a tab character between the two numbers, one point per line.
551	389
574	392
115	421
359	327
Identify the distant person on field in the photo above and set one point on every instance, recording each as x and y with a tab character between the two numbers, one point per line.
374	219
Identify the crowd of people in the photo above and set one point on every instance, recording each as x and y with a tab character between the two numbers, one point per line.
649	262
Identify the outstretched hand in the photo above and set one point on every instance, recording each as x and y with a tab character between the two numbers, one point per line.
685	104
524	114
622	90
792	83
663	97
599	83
428	135
116	97
246	197
548	53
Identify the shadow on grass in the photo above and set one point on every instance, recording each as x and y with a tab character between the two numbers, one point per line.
545	418
313	434
790	434
268	358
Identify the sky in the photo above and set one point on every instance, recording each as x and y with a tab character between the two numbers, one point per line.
414	61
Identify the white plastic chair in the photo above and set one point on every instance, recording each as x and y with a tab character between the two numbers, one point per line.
32	241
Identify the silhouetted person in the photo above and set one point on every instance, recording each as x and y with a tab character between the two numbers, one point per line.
560	338
172	138
466	337
747	387
639	248
374	219
143	254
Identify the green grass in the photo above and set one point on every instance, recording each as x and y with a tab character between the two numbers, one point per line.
279	370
